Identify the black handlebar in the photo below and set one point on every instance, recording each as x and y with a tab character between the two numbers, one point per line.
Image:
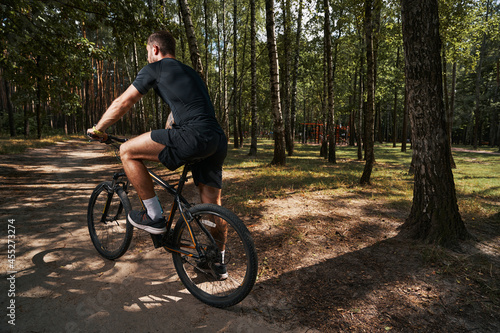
111	139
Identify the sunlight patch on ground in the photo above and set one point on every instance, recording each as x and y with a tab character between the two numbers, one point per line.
152	301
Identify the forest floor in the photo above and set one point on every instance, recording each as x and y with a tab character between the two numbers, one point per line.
329	261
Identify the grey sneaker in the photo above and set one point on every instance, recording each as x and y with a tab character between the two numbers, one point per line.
220	271
141	220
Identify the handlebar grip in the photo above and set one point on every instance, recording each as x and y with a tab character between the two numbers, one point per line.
114	138
92	136
109	140
99	138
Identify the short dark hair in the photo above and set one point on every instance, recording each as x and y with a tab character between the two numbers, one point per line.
164	40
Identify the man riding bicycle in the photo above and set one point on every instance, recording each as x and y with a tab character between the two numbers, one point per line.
192	132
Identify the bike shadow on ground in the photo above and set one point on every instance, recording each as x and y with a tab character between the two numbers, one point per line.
73	289
61	284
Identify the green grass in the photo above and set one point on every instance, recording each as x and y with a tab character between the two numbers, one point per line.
477	181
306	171
477	177
11	146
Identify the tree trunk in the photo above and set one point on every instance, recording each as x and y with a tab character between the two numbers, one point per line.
235	74
193	44
286	75
370	6
10	108
498	106
207	46
181	40
434	215
447	104
477	137
38	105
395	106
27	111
451	112
253	37
223	74
293	110
329	77
378	120
359	121
404	133
241	114
218	99
279	138
141	120
324	107
352	114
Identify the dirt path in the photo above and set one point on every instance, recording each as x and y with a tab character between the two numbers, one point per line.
475	151
62	285
327	262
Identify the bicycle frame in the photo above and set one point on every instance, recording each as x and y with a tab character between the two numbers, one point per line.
179	203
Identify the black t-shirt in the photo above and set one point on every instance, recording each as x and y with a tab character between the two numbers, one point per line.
182	89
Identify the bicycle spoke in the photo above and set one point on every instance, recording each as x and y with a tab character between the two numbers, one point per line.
107	221
227	267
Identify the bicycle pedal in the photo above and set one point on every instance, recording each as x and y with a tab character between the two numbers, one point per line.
157	240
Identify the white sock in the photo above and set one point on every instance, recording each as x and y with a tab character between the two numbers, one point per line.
222	254
153	208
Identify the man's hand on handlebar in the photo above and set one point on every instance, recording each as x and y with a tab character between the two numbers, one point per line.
97	135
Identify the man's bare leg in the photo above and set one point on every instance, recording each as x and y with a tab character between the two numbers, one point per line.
132	153
209	194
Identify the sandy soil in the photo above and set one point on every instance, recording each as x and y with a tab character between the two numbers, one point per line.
62	284
328	264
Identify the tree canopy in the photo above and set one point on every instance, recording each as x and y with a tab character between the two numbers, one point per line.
64	61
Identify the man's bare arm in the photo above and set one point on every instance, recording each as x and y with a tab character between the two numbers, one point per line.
170	121
119	107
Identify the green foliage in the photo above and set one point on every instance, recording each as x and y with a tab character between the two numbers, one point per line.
52	49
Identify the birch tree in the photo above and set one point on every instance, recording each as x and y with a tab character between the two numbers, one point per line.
278	133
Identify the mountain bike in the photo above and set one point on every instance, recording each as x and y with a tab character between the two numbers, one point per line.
204	238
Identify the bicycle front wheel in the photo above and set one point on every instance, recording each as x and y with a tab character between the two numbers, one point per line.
219	262
107	220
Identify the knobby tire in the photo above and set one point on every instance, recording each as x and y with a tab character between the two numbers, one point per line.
239	256
107	213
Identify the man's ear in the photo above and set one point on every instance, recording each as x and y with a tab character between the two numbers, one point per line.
156	49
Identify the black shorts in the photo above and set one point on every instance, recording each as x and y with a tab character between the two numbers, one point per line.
206	147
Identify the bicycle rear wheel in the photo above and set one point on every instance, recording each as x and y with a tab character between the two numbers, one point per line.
107	220
215	229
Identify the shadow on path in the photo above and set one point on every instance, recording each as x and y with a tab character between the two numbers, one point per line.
60	282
